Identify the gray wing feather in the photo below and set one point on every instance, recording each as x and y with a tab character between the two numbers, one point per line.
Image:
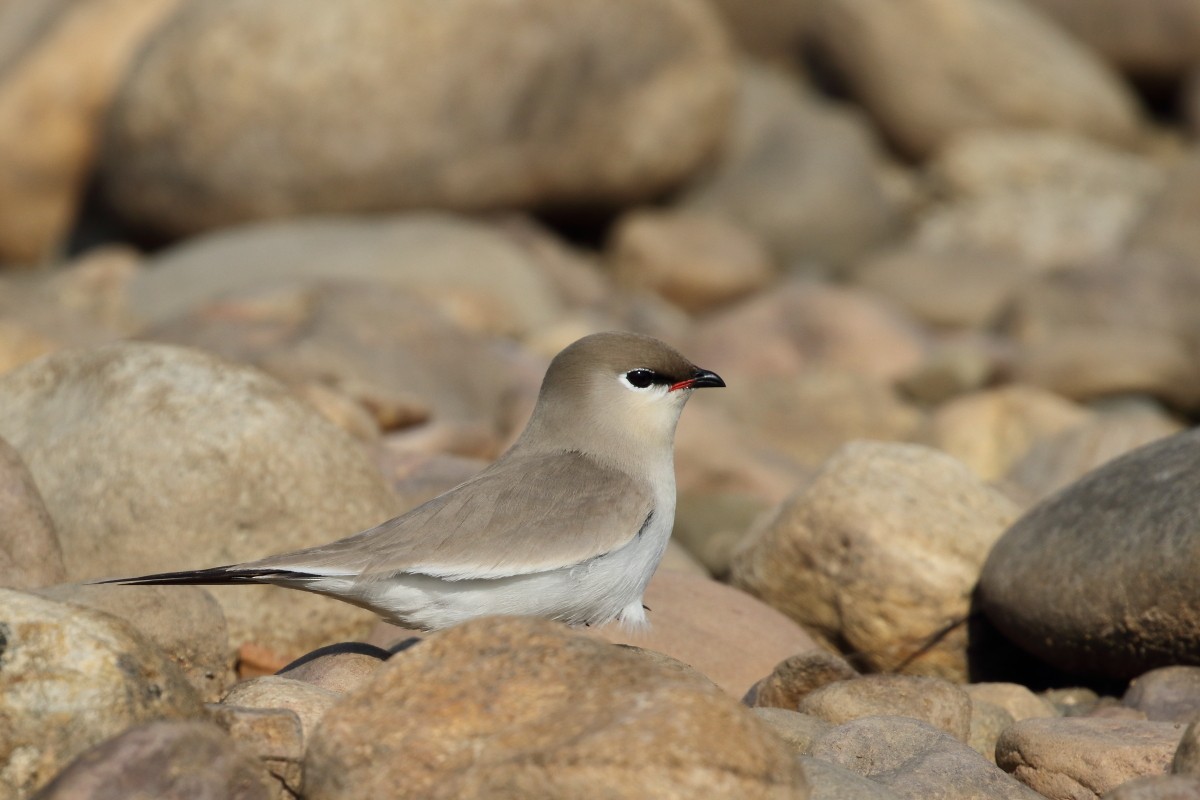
525	513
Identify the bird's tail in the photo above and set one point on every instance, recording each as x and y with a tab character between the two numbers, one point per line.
214	576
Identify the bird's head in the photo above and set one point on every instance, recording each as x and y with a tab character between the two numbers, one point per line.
615	395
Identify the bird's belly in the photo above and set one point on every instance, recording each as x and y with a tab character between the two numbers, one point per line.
597	591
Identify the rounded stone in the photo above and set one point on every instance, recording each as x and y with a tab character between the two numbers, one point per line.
232	114
1098	578
154	458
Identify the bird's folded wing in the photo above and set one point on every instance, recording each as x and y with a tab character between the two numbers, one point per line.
525	513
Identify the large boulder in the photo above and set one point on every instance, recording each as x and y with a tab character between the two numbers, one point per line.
1100	577
514	707
155	458
233	114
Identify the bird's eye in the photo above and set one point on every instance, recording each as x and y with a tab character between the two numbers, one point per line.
641	378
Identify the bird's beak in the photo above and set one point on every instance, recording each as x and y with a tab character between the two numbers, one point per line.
700	379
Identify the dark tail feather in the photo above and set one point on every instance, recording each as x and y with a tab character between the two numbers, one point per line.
206	577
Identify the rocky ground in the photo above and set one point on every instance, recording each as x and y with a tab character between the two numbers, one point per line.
272	272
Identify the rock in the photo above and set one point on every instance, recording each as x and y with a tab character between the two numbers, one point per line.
801	326
53	97
30	554
201	495
165	760
859	557
1155	38
725	634
991	430
1167	694
798	730
676	558
697	261
512	707
1186	760
801	173
307	700
1085	757
927	71
988	721
598	104
185	622
916	760
379	345
71	679
435	256
809	417
769	30
1056	460
1072	701
1041	199
338	668
932	700
943	287
828	781
1111	327
960	363
1167	224
795	677
711	525
1013	698
1124	535
1157	787
20	344
272	735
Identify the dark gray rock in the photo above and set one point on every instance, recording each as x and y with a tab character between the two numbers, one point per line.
1100	578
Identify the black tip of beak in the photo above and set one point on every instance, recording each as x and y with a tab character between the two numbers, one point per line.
702	378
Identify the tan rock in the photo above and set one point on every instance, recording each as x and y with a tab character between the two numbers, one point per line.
796	677
272	735
988	721
727	635
991	430
1013	698
697	261
943	287
1058	459
203	451
932	700
381	346
1158	37
801	173
185	622
880	551
1157	787
831	782
927	71
307	700
800	326
638	98
164	760
1039	200
30	554
510	707
771	29
1186	760
73	678
915	759
798	730
1084	757
435	256
53	98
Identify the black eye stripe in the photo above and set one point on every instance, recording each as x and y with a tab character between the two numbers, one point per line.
642	378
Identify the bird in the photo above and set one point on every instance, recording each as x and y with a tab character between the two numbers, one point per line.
568	524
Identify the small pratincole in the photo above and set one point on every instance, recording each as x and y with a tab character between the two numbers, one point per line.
569	524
